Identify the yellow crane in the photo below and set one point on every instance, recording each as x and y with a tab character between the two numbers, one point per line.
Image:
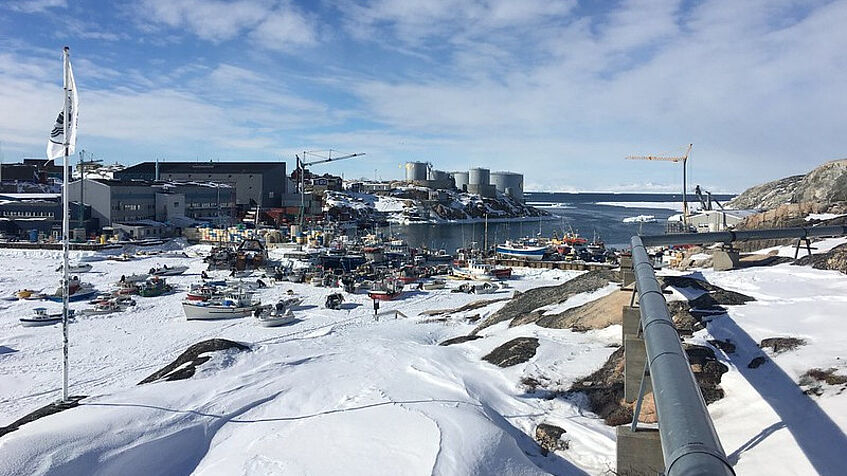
684	160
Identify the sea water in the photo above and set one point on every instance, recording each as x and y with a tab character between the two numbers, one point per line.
588	214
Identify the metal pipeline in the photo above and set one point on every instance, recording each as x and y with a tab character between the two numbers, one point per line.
690	444
744	235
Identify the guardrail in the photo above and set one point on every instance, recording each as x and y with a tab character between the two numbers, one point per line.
690	444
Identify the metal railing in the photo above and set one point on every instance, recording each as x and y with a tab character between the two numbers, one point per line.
690	445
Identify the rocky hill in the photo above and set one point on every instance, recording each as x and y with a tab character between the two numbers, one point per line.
826	184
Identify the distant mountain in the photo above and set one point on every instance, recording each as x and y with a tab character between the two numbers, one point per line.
826	184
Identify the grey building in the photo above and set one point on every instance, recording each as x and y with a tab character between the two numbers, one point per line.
255	183
129	201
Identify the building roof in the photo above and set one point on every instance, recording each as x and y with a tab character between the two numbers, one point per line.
200	167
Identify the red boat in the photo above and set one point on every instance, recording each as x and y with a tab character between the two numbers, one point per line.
502	273
387	291
408	275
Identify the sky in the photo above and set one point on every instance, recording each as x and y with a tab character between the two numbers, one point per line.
559	91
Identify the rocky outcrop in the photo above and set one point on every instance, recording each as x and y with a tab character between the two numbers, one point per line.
781	344
826	184
768	195
516	351
834	259
522	305
604	388
549	437
186	364
597	314
459	340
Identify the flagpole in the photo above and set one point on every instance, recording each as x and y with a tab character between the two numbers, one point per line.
65	230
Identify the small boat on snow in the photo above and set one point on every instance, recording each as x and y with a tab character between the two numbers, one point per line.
77	291
479	271
168	270
280	314
76	268
226	307
387	290
41	318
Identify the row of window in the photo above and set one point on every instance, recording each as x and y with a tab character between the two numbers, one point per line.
16	213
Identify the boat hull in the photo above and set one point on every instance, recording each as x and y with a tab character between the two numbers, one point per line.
213	313
384	295
530	253
276	321
25	322
74	297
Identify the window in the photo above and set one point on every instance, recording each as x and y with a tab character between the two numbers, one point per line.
176	204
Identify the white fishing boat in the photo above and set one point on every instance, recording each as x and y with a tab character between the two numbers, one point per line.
280	314
40	318
434	284
133	278
480	271
77	268
229	306
168	270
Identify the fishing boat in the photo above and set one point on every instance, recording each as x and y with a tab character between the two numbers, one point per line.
408	275
127	279
105	307
77	291
154	286
334	301
41	318
387	290
480	271
168	270
202	292
516	249
232	305
77	268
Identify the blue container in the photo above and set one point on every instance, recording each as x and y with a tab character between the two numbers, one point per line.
33	236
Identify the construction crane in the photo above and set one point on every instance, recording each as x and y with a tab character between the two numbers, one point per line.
707	200
301	171
684	160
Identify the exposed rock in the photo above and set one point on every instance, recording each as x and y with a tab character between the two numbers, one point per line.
781	344
42	412
604	388
186	364
756	362
460	340
827	183
685	322
522	305
767	195
814	377
724	345
834	259
597	314
467	307
516	351
715	295
549	437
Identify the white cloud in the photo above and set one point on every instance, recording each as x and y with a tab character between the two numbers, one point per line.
35	6
212	20
285	29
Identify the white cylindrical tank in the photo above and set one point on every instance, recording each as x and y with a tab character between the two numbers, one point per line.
509	183
416	171
478	176
461	179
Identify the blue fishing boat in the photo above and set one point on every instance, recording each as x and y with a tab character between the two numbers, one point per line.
519	250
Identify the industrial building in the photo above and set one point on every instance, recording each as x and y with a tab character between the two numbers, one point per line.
41	216
478	180
263	184
132	201
460	178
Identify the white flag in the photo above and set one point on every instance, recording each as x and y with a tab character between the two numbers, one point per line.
56	144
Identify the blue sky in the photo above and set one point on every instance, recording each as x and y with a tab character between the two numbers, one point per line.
561	91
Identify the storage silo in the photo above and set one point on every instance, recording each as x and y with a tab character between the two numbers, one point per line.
461	179
509	183
479	176
416	171
438	175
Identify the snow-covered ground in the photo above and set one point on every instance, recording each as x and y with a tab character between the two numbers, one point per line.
341	393
334	393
